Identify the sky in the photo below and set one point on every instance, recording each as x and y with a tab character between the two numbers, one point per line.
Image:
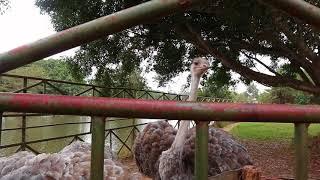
23	23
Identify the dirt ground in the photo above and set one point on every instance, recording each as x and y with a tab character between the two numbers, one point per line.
275	158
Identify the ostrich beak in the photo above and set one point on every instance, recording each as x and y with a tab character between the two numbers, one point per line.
205	67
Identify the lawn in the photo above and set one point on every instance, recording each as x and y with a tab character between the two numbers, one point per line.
269	131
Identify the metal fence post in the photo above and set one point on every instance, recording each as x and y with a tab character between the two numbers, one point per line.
134	122
44	87
97	148
24	118
301	151
93	94
201	155
1	114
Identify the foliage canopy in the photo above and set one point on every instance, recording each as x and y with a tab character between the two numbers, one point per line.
235	35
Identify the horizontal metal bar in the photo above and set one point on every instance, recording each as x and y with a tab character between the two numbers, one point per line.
20	114
62	124
90	31
73	135
45	79
132	108
96	86
43	140
57	124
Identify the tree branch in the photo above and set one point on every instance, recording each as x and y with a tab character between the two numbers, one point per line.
265	79
263	64
294	38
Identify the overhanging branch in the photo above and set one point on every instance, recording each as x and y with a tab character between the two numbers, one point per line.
277	81
298	8
263	64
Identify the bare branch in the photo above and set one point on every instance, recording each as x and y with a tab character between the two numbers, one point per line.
260	62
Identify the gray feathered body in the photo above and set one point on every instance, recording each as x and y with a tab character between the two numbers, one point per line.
73	162
224	152
148	146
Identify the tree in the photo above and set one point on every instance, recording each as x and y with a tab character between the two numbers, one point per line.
227	32
218	89
50	69
9	84
283	95
4	5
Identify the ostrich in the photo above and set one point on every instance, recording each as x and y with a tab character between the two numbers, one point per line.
72	162
171	162
163	153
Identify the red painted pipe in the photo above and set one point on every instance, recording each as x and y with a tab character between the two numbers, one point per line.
118	107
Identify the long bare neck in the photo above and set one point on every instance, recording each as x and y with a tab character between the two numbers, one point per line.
184	125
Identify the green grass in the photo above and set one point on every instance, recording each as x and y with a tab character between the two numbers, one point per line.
269	131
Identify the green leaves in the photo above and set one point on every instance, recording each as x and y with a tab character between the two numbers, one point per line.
230	27
4	5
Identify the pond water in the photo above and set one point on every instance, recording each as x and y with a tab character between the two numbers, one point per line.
32	134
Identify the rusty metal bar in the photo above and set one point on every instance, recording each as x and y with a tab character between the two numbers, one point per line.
97	148
298	8
201	154
90	31
133	108
301	151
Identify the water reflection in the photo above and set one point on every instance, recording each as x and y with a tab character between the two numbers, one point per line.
67	126
34	134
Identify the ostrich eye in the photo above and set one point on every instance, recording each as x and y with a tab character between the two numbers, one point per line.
196	63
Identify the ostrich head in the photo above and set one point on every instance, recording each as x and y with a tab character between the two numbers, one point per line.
199	66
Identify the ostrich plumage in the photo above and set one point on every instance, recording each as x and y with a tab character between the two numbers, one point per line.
224	152
73	162
163	153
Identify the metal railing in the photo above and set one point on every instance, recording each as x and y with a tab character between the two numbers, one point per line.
130	17
203	112
48	86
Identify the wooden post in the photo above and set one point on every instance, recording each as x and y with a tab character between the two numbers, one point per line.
301	151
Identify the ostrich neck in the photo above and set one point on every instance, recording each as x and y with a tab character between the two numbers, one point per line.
184	125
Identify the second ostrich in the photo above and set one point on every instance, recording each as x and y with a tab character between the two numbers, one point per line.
171	162
163	153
